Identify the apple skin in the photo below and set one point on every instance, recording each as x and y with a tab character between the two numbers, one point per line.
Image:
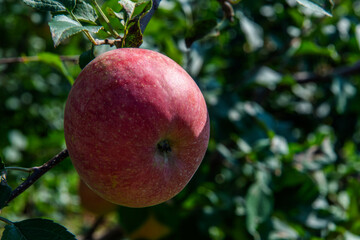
136	127
92	202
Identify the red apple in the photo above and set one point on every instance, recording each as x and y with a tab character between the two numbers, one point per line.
136	127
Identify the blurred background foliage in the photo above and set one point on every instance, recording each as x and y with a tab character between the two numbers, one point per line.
281	83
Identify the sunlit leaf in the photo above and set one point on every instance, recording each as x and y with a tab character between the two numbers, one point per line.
129	7
253	31
55	61
51	5
321	6
63	27
259	206
283	231
117	19
142	6
84	12
307	47
267	77
343	91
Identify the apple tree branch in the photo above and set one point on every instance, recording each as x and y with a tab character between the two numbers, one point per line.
341	71
37	173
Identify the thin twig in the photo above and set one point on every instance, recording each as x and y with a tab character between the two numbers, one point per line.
28	170
74	59
341	71
7	221
111	42
38	172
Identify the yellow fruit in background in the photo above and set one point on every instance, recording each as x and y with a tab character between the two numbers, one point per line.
152	229
92	202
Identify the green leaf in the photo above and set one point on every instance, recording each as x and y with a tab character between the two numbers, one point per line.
267	77
259	206
36	229
85	58
350	236
116	19
51	5
310	48
254	33
55	61
11	232
321	6
142	7
113	10
63	27
134	37
343	91
199	30
128	6
123	14
283	231
85	12
279	145
5	192
294	188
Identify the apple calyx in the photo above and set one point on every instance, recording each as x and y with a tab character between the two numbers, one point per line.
164	146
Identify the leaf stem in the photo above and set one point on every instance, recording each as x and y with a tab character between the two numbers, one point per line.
28	170
87	34
6	221
105	19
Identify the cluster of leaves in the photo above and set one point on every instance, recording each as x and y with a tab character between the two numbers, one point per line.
116	19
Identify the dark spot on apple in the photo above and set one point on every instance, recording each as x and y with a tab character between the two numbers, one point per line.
164	146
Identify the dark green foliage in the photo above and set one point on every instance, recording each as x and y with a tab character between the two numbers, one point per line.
199	30
36	229
282	90
85	58
5	191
